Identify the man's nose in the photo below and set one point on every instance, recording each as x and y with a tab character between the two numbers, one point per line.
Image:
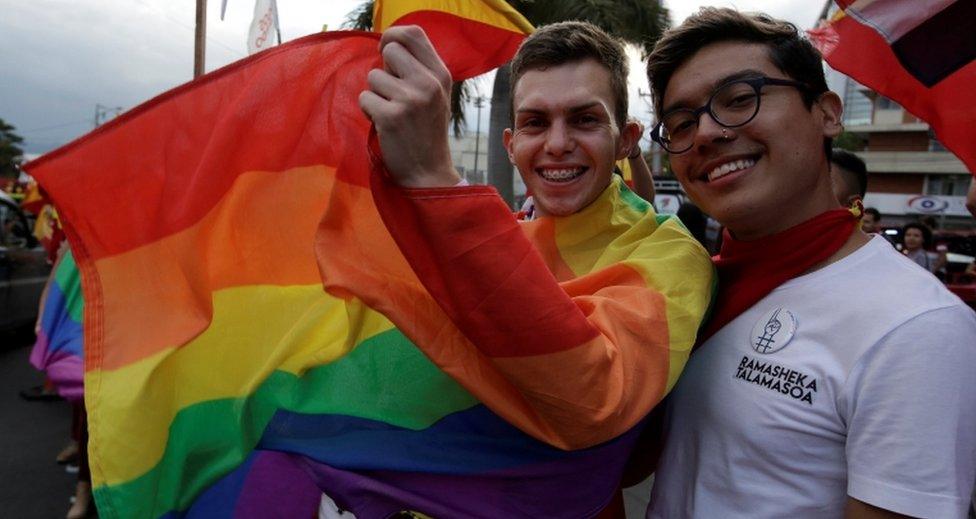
559	139
709	131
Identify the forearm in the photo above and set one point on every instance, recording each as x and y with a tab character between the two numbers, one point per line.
590	357
860	510
642	177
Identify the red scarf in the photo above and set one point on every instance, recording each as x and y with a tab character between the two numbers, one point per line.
748	270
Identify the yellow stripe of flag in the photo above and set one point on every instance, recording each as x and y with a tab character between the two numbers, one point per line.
491	12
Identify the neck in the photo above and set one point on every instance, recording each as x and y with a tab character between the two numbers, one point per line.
856	240
761	229
758	225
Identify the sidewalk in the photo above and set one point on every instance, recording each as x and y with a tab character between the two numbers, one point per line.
31	434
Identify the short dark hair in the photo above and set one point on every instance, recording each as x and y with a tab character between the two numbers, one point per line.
926	233
852	164
566	42
873	212
789	51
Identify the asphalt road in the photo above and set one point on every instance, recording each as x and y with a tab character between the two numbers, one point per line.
32	485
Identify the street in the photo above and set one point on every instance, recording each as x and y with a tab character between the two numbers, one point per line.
32	433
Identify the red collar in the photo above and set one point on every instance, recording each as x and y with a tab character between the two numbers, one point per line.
748	270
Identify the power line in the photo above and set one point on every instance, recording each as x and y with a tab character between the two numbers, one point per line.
56	126
191	29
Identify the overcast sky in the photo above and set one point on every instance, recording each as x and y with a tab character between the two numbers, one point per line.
63	57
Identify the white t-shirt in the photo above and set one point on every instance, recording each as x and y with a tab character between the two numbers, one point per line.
856	379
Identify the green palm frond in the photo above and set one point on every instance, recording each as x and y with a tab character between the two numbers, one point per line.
638	22
360	18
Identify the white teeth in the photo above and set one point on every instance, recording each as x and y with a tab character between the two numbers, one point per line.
560	175
729	167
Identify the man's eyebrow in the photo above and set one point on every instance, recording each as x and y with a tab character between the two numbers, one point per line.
742	74
583	107
573	109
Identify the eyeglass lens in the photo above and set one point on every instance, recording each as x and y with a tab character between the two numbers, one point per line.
734	104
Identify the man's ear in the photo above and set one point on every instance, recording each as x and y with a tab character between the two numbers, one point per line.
630	136
507	141
832	110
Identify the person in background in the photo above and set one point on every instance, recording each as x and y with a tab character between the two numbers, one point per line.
970	273
916	240
849	176
871	221
971	198
695	220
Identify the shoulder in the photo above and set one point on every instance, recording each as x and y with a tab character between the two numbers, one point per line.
888	282
907	415
868	295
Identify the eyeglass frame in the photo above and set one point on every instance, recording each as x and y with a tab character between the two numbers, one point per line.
757	83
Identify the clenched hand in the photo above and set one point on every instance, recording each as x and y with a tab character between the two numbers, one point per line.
408	101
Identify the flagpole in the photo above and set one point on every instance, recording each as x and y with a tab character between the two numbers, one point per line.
200	41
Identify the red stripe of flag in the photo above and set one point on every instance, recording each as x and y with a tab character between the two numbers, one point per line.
948	39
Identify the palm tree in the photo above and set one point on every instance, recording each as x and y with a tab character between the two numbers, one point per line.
637	22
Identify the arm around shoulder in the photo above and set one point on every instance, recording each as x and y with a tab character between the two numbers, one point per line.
577	362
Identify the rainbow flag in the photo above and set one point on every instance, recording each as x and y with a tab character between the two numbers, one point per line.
261	325
33	200
58	350
471	36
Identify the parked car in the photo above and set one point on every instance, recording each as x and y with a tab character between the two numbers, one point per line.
24	267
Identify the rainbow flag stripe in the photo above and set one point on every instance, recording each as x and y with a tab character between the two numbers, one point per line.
491	30
259	329
58	350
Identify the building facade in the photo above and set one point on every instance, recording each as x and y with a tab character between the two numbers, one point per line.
470	156
911	176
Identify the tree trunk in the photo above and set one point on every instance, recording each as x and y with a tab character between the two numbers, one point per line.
499	167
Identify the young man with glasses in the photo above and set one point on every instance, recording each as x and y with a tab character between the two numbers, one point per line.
821	389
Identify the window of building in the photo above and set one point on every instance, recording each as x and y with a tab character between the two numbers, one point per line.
947	185
887	104
857	106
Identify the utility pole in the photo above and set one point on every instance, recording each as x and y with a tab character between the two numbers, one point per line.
656	151
200	40
479	103
102	112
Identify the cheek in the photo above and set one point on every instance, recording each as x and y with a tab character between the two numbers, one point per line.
678	165
521	150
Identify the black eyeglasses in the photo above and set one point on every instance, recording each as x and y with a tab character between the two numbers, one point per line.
732	104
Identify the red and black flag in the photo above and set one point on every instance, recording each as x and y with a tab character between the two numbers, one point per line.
920	53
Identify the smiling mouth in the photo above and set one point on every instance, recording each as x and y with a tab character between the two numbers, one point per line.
561	175
730	167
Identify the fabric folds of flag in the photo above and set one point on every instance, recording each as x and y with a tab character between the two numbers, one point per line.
58	350
921	54
467	35
257	332
608	298
33	200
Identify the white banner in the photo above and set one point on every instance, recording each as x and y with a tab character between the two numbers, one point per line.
261	35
